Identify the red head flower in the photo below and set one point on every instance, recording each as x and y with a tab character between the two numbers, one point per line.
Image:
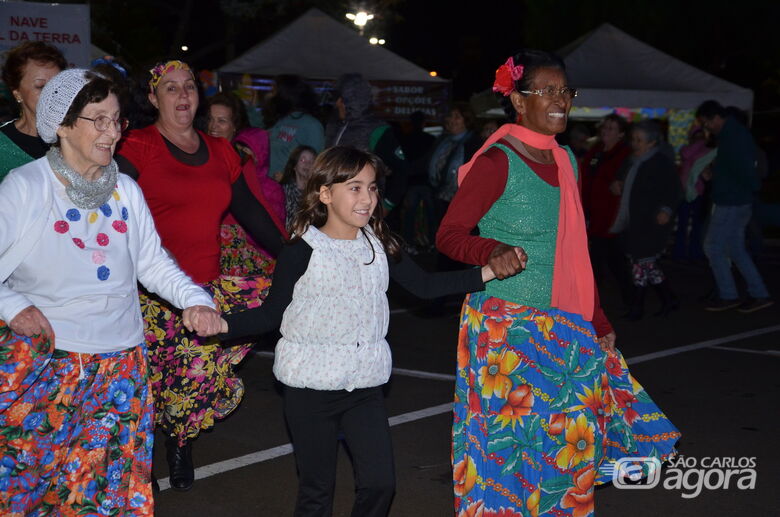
506	75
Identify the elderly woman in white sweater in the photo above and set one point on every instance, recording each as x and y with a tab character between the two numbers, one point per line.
76	237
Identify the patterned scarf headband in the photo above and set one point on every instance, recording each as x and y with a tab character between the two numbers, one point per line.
163	68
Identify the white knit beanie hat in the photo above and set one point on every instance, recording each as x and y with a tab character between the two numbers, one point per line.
55	101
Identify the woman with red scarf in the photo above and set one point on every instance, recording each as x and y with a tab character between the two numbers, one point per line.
544	403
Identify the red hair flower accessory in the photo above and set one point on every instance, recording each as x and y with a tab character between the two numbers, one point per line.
506	75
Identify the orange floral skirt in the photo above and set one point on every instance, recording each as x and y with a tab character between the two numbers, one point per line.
75	436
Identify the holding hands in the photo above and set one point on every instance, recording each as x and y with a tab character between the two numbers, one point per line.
504	261
202	320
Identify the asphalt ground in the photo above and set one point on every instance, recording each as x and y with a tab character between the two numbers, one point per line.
715	375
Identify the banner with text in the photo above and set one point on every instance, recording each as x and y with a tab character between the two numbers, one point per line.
392	100
66	26
397	100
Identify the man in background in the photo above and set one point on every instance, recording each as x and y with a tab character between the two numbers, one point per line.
734	185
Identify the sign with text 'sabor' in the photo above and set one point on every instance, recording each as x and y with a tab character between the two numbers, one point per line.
66	26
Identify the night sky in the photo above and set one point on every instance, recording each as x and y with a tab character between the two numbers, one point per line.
463	44
462	40
467	41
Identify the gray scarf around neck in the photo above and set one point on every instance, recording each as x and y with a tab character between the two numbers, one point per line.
85	194
623	217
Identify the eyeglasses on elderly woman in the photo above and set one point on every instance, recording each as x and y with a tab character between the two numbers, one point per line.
551	91
103	122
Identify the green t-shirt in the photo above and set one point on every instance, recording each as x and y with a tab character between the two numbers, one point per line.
11	156
288	133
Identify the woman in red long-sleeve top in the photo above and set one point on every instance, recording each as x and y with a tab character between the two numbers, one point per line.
190	180
599	169
543	400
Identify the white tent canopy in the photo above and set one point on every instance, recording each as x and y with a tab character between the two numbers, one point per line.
610	68
318	47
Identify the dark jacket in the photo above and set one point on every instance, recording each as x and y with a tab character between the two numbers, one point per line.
362	130
655	187
734	176
470	144
417	146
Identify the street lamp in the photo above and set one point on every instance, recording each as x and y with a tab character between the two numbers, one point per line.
185	48
360	18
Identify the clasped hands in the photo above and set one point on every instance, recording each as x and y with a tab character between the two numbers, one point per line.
200	319
203	320
504	261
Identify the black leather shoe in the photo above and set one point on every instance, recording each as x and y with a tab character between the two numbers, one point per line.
182	472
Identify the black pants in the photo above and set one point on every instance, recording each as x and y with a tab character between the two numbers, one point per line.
606	255
315	418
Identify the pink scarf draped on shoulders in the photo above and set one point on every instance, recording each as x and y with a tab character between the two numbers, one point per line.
573	287
267	191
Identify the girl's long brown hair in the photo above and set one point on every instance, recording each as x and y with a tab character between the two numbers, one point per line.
288	175
337	165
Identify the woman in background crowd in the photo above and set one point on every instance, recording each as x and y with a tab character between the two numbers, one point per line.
296	174
357	126
227	119
290	115
189	180
451	150
26	71
650	193
600	167
688	242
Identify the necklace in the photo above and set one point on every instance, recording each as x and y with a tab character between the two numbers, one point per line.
84	193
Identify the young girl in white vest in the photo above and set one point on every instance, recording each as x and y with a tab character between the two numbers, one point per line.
328	292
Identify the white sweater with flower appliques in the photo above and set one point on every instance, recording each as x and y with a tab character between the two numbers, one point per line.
81	267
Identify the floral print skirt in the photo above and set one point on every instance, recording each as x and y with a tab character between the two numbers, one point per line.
193	378
238	257
75	436
646	271
541	413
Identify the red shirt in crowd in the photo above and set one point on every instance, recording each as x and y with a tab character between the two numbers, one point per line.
598	169
187	202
